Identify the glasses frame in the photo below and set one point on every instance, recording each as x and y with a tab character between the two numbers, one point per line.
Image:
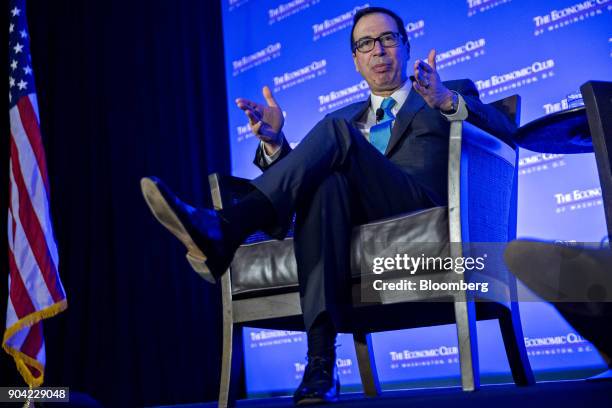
398	37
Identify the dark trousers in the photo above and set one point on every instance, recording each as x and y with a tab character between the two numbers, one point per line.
333	180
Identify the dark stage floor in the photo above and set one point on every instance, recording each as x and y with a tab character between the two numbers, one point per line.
559	394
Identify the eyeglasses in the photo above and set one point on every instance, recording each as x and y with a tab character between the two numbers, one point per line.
387	40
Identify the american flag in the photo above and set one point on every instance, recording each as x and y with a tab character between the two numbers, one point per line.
35	289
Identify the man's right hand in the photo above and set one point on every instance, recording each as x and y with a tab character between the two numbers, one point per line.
266	122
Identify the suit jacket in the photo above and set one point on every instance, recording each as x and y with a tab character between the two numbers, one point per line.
420	136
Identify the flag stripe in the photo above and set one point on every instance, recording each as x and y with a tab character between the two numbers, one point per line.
30	273
13	206
33	169
26	264
29	122
11	315
34	341
33	231
34	103
10	224
19	295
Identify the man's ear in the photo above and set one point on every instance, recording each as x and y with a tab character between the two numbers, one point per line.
355	62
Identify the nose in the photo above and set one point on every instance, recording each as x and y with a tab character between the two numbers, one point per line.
378	48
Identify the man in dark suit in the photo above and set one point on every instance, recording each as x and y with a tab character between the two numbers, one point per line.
367	161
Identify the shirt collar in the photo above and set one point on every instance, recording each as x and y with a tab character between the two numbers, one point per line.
400	96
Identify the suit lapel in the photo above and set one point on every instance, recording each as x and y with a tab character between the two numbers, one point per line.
413	104
360	111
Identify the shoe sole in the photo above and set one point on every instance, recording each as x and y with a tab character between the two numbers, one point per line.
167	217
315	401
320	400
559	273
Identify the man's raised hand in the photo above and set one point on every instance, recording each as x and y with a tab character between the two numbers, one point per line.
266	122
429	85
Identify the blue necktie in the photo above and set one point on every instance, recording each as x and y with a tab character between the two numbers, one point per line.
381	132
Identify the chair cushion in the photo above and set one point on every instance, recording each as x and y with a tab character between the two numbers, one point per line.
269	266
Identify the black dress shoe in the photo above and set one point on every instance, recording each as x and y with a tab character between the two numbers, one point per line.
320	383
200	230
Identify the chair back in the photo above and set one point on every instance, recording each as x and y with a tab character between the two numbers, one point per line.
597	97
488	201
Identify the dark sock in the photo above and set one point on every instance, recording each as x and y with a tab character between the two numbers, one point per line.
251	213
322	337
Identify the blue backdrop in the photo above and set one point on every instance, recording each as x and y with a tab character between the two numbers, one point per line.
541	50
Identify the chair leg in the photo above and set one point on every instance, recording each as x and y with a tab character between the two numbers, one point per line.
367	364
514	342
465	314
231	360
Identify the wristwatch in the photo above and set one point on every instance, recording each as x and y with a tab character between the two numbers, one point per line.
454	104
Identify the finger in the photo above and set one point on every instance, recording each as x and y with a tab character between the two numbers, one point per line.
245	104
425	67
253	118
418	73
252	107
423	83
267	94
420	89
421	71
421	78
255	127
431	58
242	101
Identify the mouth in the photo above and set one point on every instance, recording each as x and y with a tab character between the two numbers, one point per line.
381	68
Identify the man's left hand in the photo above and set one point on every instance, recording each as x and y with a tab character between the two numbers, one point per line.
429	85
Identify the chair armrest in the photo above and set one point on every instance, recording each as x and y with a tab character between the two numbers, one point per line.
454	182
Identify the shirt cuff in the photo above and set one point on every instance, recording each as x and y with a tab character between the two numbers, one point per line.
462	111
269	159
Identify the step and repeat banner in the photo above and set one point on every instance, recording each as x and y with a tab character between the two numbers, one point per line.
540	50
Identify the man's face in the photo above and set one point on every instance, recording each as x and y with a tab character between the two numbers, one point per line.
384	69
